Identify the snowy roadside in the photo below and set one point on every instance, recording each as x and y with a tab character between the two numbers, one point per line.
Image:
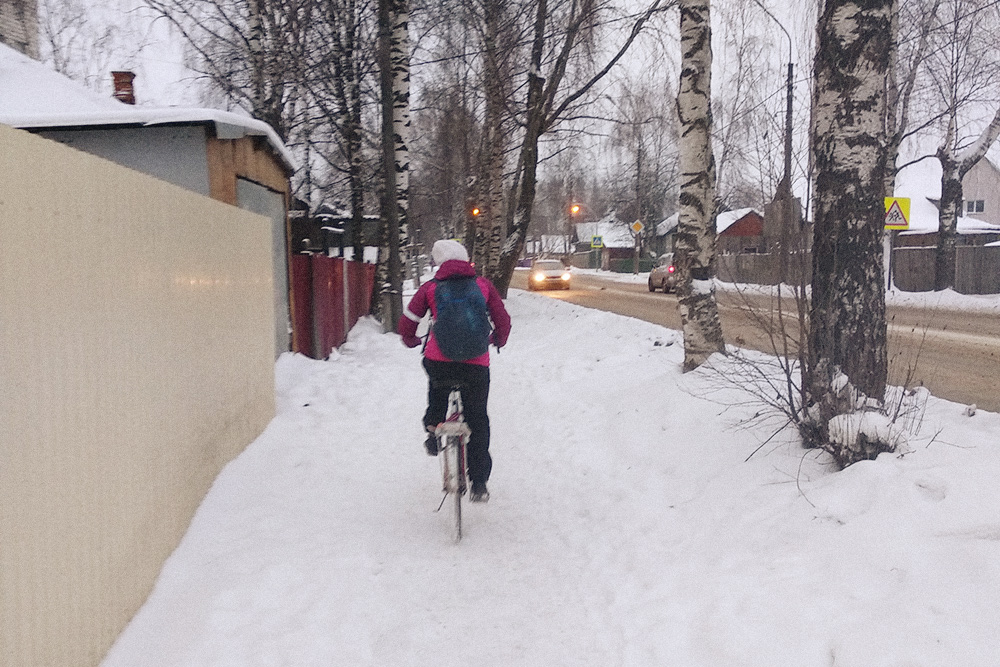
947	300
626	527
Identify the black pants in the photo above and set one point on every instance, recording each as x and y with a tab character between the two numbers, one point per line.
475	389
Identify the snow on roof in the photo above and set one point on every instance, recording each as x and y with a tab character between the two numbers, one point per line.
725	220
34	96
921	183
555	243
614	232
668	225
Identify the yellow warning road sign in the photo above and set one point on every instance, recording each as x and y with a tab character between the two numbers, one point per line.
897	212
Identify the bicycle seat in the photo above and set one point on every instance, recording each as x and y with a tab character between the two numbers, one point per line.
448	384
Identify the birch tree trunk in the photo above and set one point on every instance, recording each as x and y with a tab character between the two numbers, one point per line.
491	226
544	111
847	317
953	170
345	38
695	238
394	70
523	189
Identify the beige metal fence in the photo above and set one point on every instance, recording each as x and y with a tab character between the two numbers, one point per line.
137	343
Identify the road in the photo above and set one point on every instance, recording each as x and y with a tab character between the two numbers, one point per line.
956	355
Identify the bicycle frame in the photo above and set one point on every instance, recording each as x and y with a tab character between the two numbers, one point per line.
453	434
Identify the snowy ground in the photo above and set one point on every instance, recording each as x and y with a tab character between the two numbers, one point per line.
626	525
947	299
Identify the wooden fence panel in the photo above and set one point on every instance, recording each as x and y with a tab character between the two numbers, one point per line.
302	333
977	270
328	303
913	268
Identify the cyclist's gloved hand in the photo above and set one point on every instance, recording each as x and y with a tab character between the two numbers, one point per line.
411	341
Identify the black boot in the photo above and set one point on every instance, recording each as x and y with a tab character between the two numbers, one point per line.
431	445
479	493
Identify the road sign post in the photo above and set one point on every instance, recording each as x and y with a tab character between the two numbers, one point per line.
897	218
897	213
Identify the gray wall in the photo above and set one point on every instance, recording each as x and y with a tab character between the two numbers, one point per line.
173	154
258	199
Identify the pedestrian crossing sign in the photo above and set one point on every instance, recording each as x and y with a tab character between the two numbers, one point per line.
596	241
897	213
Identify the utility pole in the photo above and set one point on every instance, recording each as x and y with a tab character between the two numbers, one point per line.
789	229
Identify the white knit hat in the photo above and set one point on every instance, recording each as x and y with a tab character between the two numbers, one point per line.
447	249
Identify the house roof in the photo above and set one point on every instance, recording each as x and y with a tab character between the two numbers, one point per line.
668	225
35	97
722	222
727	219
614	232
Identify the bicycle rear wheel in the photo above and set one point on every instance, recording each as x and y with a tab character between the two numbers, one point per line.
457	483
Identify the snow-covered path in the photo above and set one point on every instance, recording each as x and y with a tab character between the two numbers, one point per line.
624	528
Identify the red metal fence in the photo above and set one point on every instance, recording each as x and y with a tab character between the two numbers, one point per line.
329	295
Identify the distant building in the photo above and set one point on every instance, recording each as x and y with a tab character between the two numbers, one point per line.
19	25
981	188
740	231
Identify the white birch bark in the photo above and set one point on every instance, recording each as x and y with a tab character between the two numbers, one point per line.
954	167
394	59
400	56
847	318
696	227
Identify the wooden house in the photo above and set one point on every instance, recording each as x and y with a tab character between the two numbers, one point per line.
740	232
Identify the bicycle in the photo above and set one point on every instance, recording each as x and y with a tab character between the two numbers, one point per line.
453	436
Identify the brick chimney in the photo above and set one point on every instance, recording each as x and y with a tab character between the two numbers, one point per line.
124	90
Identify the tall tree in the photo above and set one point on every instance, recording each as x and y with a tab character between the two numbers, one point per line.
498	39
394	74
966	71
252	52
338	68
547	104
914	24
847	336
695	238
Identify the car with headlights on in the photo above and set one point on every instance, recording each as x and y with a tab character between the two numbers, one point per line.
548	274
664	274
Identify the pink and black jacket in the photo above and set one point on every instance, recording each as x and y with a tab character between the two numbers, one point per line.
423	301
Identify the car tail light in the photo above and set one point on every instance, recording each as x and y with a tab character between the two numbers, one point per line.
671	268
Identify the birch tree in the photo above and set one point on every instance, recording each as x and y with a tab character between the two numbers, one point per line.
966	74
339	67
498	38
85	42
548	103
695	238
251	52
394	74
914	24
847	338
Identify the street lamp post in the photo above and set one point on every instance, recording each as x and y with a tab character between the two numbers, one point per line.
785	188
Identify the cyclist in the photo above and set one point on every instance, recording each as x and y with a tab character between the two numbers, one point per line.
473	375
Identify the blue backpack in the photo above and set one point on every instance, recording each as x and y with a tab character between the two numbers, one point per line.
462	325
